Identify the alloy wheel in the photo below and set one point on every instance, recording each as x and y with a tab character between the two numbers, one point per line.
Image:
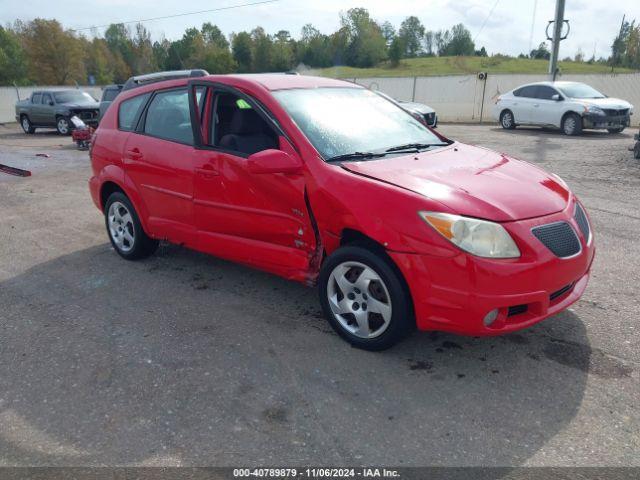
507	120
569	125
26	125
121	227
63	126
359	299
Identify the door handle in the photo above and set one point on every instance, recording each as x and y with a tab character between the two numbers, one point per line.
536	104
134	154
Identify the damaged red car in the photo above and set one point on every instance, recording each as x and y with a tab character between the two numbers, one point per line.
324	182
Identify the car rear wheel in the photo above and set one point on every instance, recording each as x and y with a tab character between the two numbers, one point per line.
572	124
63	126
125	230
615	130
507	120
364	298
636	150
26	124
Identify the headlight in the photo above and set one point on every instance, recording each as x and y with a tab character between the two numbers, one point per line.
479	237
593	109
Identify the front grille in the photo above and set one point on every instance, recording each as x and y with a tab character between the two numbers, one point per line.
583	223
558	237
614	112
561	292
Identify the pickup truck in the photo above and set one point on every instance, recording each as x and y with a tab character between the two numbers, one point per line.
54	108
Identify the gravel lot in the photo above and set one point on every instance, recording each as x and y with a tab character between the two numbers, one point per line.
184	359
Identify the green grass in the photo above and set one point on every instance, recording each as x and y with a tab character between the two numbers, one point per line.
460	65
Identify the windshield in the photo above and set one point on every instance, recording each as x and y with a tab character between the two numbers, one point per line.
580	90
72	97
340	121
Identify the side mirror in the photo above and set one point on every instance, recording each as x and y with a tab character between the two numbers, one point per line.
51	103
556	97
273	161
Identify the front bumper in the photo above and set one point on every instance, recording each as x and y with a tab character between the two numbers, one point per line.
455	293
591	120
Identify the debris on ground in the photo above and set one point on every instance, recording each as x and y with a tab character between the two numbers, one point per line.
45	155
18	172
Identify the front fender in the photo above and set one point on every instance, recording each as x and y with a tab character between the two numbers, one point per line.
385	213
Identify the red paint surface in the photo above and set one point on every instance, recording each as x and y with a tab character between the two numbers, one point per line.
233	207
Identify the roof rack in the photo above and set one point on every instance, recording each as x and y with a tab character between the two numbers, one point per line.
140	80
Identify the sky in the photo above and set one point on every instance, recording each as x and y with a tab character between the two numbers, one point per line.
508	30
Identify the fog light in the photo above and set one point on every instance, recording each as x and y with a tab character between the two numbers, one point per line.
490	317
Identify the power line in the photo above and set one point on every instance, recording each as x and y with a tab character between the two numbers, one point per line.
177	15
485	21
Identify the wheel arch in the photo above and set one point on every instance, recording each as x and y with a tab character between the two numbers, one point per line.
353	237
111	184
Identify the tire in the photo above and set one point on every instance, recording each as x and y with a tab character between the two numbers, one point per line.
63	126
125	230
613	131
636	150
572	124
26	125
374	310
507	120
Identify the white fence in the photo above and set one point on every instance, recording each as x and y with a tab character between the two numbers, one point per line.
9	97
456	98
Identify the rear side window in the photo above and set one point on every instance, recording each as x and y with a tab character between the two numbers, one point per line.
37	98
529	91
109	94
128	111
168	116
545	93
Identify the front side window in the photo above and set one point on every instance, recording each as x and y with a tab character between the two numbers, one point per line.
168	116
238	127
580	90
73	96
128	111
344	120
46	98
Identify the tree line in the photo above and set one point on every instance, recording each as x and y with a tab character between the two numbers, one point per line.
42	51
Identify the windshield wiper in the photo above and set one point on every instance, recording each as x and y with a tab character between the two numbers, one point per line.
355	155
414	146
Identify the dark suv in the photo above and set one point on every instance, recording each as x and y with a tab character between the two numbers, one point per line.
54	109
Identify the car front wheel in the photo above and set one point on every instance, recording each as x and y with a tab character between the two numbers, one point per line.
572	124
62	126
125	230
364	298
507	120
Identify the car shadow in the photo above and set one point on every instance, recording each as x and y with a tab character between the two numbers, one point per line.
555	133
184	359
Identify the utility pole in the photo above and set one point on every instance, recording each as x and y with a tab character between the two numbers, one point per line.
558	23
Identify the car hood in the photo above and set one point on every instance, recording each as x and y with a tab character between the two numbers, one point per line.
417	107
606	102
472	181
80	105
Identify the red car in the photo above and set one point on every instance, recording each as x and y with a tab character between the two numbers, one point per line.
325	182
